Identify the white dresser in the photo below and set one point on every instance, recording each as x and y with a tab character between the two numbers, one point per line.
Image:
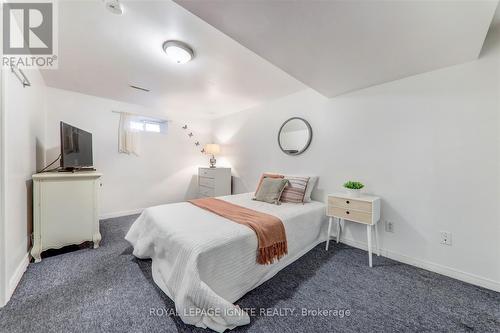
214	182
65	210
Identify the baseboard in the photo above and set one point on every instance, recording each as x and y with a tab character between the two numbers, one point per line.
119	214
430	266
18	274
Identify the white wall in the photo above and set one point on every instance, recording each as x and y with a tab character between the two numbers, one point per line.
428	145
24	146
3	283
164	172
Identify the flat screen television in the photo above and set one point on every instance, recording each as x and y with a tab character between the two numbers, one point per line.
76	148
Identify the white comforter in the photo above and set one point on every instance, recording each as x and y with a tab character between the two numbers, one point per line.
204	262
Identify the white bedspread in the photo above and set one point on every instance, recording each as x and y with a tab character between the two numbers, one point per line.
205	262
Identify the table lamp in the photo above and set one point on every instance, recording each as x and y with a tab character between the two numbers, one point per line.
212	149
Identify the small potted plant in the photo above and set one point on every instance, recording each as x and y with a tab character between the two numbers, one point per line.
353	188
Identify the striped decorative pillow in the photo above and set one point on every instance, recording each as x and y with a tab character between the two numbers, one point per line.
296	190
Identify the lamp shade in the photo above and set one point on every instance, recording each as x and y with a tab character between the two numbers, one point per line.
212	149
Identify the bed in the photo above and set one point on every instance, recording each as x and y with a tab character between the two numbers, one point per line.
205	262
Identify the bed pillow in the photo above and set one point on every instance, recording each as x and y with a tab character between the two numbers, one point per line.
311	184
313	180
267	175
296	189
270	190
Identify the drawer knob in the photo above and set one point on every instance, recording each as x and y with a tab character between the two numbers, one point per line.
347	212
347	202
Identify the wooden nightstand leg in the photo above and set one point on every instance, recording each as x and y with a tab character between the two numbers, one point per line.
339	230
369	236
377	247
328	234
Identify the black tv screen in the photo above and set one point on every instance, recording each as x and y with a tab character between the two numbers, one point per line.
76	147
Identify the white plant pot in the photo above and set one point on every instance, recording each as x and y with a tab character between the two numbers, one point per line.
353	193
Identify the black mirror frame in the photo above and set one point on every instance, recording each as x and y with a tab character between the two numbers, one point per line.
309	128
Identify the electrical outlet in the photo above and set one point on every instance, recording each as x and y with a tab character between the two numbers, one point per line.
389	226
445	237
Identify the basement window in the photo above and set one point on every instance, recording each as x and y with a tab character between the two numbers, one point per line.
151	125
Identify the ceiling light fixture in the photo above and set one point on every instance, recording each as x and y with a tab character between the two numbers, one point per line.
114	6
177	51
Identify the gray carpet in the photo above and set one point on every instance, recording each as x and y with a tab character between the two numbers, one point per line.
109	290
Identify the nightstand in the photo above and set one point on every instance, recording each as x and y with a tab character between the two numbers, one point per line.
364	209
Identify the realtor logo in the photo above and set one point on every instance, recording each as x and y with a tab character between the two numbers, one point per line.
28	34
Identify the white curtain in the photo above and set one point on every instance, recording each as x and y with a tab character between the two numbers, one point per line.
128	138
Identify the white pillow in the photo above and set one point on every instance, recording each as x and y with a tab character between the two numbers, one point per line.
313	180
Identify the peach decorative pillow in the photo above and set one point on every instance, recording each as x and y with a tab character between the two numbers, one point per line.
267	175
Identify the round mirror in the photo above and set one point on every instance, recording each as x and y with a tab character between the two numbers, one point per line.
294	136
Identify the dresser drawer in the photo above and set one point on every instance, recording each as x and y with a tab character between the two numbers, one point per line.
207	182
207	172
351	215
206	191
351	204
218	180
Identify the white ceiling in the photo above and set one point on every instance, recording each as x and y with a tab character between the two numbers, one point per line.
340	46
101	54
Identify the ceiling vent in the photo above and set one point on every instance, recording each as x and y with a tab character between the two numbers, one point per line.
139	88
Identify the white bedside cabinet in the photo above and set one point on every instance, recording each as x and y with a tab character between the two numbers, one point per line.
214	182
364	209
65	210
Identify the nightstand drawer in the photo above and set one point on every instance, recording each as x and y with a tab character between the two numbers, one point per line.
207	172
349	203
351	215
207	182
206	191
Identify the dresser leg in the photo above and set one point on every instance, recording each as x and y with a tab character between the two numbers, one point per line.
377	247
96	239
36	253
369	236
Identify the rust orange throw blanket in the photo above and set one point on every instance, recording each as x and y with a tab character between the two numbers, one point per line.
269	229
